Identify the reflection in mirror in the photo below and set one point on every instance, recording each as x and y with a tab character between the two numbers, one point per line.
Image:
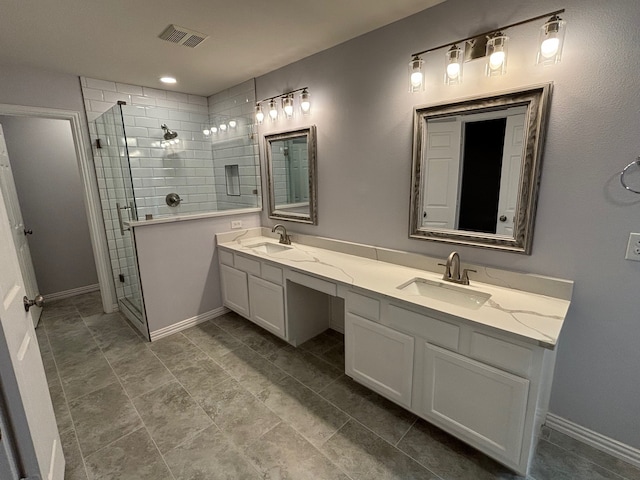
291	165
476	170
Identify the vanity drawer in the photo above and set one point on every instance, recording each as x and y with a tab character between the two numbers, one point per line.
271	273
364	306
502	354
434	331
247	265
226	258
313	283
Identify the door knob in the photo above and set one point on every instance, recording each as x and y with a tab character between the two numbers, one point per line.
503	218
38	301
28	232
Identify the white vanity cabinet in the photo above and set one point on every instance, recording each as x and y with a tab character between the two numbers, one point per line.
254	290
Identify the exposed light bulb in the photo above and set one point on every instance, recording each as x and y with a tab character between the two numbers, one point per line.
273	109
549	47
233	123
287	105
496	59
416	79
223	127
551	41
305	101
416	75
453	70
206	131
214	129
259	114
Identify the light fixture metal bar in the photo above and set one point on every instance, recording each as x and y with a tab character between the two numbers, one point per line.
533	19
282	95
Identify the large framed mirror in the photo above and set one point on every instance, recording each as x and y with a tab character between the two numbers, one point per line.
476	169
291	170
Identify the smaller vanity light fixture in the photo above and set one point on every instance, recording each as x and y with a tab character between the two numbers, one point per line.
259	114
551	41
214	129
206	132
305	101
453	69
416	74
497	54
233	124
287	105
223	127
273	109
492	45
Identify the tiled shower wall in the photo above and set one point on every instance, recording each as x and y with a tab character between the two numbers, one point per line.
238	146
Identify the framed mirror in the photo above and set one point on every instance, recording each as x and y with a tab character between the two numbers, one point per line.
291	170
476	169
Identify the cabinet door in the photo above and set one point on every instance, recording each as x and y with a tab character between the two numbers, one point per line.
267	305
235	293
380	358
481	404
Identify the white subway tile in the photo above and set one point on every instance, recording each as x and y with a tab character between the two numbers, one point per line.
142	100
161	113
167	103
154	92
92	94
178	97
147	122
197	100
97	106
130	89
101	84
115	97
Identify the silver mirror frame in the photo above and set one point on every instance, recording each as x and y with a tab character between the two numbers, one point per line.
310	133
537	99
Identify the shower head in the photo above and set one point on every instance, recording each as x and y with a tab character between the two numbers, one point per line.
168	134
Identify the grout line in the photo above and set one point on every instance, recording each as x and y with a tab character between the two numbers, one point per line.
405	433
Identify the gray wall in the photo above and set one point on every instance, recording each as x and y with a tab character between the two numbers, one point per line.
50	191
363	112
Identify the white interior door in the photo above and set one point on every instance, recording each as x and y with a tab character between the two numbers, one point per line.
18	229
510	174
442	173
22	379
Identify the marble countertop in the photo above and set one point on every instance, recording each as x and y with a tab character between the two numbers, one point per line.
531	317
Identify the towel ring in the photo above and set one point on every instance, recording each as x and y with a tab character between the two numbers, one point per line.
624	171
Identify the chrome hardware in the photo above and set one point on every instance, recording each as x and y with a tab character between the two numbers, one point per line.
173	199
28	232
503	218
284	238
38	301
120	222
454	276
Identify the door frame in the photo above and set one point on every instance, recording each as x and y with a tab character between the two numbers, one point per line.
91	195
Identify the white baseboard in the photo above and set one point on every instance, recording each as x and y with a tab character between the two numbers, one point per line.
189	322
72	293
596	440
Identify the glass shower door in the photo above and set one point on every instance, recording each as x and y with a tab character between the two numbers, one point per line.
118	206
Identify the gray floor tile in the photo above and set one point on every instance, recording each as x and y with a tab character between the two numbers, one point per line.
60	407
82	377
140	371
307	412
229	321
59	308
306	367
554	463
102	417
212	339
335	356
209	455
133	457
171	415
59	328
200	378
321	343
258	339
250	369
75	348
88	304
382	416
43	340
363	456
74	464
240	415
282	453
177	349
448	457
50	370
605	460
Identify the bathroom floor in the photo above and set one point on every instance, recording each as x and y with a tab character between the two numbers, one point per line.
227	400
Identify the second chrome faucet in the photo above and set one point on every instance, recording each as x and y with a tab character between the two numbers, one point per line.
452	270
284	238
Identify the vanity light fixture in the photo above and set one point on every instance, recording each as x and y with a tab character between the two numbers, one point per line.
551	41
287	105
497	54
288	101
453	69
233	124
493	45
305	102
206	132
223	127
214	129
259	114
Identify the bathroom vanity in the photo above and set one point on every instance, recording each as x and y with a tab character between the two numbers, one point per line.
477	360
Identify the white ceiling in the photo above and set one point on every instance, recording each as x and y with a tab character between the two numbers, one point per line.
118	39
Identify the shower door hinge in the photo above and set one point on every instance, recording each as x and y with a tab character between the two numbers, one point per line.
98	143
121	102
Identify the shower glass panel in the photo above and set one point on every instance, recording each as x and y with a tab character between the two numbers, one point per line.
119	206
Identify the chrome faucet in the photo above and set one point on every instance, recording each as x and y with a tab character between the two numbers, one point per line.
452	270
284	238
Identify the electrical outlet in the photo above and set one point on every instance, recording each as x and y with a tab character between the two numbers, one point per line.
633	247
236	224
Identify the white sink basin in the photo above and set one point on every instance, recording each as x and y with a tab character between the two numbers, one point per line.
445	292
269	248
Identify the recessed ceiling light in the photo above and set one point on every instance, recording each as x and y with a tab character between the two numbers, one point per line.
168	80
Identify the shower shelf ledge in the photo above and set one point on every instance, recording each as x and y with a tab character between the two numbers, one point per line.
190	216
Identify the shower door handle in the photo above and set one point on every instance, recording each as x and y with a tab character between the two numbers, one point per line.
120	222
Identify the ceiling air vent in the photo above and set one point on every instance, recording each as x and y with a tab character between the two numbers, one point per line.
183	36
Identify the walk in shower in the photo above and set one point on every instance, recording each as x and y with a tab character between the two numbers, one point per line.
153	163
